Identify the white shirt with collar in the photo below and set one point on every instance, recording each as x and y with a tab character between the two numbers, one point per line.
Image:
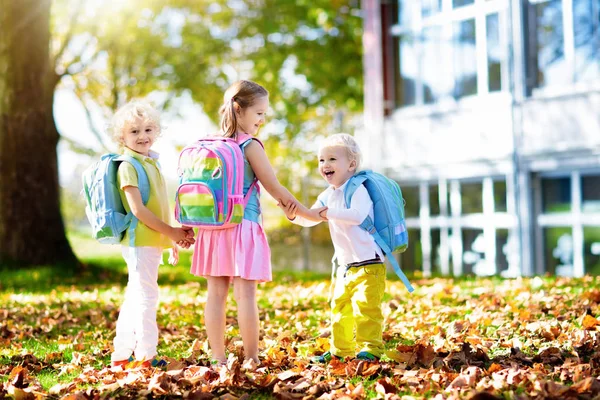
351	243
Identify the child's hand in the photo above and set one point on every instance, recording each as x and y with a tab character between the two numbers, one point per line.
318	214
190	232
184	244
173	255
182	234
289	209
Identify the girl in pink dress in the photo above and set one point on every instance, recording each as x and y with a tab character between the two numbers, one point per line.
241	254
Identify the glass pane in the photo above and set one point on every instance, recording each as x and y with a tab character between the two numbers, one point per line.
431	7
500	196
556	195
411	196
436	262
591	260
434	200
473	251
558	251
412	258
495	53
405	11
460	3
471	196
406	70
586	22
590	186
465	59
435	84
503	250
552	67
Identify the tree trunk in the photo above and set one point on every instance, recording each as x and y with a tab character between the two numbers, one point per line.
31	226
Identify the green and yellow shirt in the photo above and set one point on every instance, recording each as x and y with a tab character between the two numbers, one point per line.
157	201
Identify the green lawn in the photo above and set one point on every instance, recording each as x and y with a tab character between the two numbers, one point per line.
534	337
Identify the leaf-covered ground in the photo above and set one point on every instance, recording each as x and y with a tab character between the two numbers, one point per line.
450	339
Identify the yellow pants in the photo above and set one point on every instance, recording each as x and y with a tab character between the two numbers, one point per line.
356	306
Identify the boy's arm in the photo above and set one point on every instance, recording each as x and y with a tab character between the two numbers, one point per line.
360	206
307	219
134	198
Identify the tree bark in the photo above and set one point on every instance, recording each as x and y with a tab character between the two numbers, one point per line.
32	231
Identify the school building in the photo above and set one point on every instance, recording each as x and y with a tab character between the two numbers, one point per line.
487	112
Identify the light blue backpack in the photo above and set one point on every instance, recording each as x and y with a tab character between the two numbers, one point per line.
104	208
388	226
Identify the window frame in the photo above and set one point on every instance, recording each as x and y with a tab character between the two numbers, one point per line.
446	19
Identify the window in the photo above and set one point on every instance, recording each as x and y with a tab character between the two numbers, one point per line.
590	186
558	250
431	7
434	199
471	194
551	40
434	86
439	55
500	196
411	197
556	195
412	258
465	59
495	53
586	21
406	71
591	256
460	3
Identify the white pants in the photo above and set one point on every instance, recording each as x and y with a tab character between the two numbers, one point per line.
137	332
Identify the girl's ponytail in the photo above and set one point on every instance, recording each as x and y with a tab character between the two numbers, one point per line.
243	93
229	123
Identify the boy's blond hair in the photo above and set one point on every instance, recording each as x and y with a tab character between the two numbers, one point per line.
129	113
346	141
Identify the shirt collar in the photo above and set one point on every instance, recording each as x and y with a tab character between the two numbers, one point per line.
341	188
152	155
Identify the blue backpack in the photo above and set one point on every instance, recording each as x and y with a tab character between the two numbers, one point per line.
388	226
104	208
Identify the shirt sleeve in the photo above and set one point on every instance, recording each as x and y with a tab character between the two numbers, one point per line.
360	207
127	175
306	222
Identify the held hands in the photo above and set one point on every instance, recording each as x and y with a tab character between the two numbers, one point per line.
290	209
317	214
314	214
184	236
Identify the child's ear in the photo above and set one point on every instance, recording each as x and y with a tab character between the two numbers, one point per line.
353	165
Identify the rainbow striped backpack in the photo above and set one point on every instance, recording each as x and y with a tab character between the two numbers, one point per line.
211	183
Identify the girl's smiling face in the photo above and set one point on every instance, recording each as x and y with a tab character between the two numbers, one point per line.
335	166
139	136
251	118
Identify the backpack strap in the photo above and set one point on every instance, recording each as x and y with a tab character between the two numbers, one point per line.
369	226
144	188
244	140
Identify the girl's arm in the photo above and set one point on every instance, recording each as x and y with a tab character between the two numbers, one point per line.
264	172
134	198
290	211
360	205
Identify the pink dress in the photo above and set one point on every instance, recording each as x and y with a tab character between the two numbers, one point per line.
239	251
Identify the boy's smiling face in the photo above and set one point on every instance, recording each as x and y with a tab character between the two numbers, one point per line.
139	135
335	166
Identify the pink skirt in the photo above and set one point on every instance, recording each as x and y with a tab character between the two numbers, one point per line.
240	251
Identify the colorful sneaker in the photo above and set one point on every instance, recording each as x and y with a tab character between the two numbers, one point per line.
154	363
366	356
121	363
326	358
